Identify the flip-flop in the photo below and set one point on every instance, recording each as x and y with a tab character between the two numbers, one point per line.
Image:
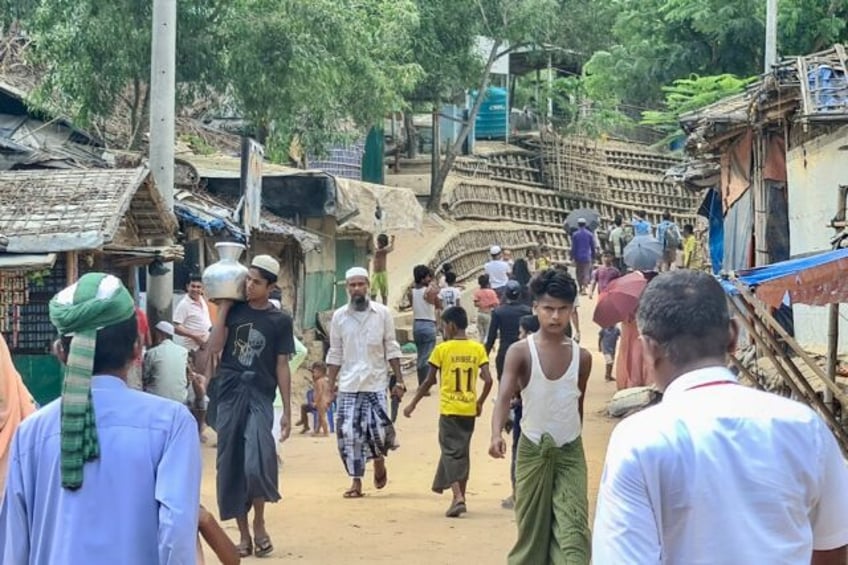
380	481
245	549
456	509
264	547
353	493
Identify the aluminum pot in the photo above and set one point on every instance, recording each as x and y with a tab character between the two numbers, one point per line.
225	278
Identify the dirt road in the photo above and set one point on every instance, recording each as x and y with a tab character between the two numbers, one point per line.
405	523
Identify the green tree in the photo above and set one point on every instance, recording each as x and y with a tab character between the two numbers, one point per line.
95	57
658	41
319	69
514	24
689	94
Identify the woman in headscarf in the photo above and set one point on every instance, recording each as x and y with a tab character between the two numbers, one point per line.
521	274
15	405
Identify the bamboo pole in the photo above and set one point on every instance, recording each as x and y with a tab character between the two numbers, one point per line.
765	316
71	267
743	369
791	365
811	396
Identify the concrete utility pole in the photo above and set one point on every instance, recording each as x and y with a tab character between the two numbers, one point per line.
160	288
771	35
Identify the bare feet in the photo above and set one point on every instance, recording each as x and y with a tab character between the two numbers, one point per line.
381	475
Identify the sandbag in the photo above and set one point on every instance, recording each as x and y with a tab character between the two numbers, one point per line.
632	400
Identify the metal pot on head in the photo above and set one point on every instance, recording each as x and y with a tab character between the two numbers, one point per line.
225	278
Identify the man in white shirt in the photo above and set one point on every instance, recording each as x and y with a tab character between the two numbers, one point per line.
193	324
165	366
498	271
362	347
717	473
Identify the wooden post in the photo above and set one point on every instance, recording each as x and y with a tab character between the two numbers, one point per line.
764	316
809	394
743	369
792	366
71	267
761	250
832	348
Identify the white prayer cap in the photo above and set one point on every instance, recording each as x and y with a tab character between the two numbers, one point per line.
356	272
165	327
267	264
581	220
495	250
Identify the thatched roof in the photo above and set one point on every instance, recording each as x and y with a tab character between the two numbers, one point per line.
65	210
810	89
215	216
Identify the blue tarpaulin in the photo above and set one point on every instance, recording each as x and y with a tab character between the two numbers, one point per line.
711	208
815	279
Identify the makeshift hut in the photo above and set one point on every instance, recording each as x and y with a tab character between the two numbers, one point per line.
345	214
58	224
768	165
206	220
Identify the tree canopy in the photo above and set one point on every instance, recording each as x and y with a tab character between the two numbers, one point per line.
319	70
655	42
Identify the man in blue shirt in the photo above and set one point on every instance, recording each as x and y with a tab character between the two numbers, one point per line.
106	474
669	236
582	253
641	226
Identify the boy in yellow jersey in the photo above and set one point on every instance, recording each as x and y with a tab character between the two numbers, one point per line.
458	360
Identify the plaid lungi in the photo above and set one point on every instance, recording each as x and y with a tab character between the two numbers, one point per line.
363	428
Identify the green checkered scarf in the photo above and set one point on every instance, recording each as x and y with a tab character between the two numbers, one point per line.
95	301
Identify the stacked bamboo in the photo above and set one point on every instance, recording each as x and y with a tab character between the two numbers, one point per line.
615	177
472	167
516	166
475	200
468	251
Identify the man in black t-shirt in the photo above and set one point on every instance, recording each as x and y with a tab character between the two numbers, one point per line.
505	323
255	340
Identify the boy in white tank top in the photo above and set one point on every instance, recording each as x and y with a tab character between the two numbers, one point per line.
550	372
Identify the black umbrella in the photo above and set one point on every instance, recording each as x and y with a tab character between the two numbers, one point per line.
593	219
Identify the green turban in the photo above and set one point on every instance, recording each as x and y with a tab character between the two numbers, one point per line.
95	301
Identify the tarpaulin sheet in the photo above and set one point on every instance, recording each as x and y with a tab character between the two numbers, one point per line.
815	280
738	230
736	169
711	209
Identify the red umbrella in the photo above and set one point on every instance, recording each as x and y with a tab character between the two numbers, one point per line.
620	300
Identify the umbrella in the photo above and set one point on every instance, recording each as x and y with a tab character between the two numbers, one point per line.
620	299
593	219
643	253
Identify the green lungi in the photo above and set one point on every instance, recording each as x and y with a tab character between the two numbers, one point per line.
551	504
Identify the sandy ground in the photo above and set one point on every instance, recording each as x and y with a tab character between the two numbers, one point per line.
405	521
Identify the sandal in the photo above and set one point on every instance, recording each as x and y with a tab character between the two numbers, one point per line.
353	493
264	547
245	549
456	509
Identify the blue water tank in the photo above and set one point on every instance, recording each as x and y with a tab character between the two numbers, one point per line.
491	122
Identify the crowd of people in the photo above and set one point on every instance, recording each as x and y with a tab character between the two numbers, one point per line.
716	473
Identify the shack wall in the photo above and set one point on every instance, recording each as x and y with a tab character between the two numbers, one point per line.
815	169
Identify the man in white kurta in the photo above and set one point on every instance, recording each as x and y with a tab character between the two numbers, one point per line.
362	348
718	473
